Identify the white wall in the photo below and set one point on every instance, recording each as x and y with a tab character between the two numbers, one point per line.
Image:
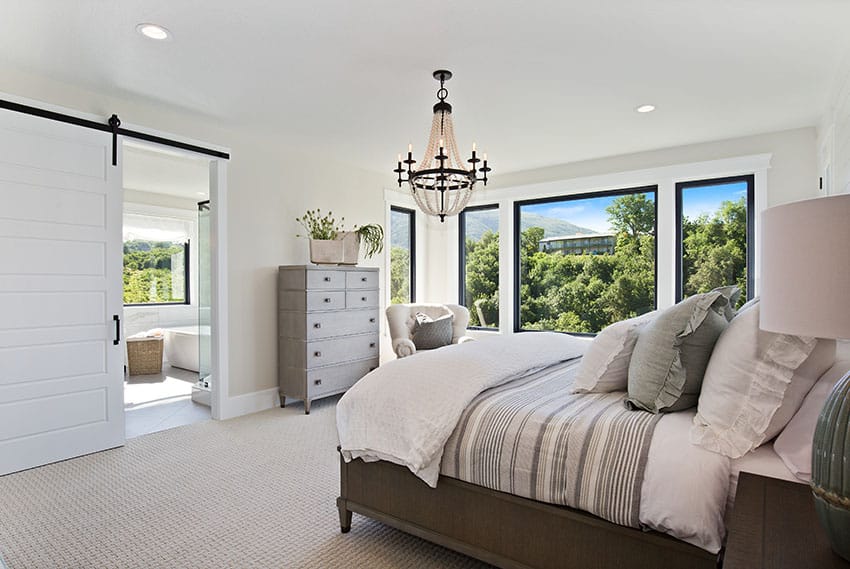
269	184
791	175
834	137
834	148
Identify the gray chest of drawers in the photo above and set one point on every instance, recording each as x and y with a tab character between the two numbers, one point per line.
327	328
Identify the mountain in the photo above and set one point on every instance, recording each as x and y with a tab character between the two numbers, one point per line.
482	221
488	220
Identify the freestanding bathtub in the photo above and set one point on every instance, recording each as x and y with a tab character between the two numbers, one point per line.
182	346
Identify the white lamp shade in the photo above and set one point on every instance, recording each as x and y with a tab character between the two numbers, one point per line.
805	273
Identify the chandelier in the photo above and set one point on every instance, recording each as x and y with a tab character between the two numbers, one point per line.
442	185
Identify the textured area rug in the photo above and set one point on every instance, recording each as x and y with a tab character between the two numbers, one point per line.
257	491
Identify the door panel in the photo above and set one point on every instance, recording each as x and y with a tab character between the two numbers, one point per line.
61	374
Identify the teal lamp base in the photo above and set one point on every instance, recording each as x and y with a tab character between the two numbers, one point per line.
836	520
831	467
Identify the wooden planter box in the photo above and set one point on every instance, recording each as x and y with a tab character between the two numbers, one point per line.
345	250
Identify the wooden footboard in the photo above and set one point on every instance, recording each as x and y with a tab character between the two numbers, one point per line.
502	529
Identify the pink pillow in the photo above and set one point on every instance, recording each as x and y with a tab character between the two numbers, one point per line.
794	444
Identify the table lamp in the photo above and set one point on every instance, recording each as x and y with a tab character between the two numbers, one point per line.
805	290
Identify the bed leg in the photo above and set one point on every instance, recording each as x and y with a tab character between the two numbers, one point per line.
282	401
306	406
344	516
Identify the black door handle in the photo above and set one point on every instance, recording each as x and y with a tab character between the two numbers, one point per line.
117	339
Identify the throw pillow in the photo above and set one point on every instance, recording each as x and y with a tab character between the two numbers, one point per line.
794	444
605	366
429	333
754	384
672	352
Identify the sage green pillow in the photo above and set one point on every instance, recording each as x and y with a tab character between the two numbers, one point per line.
672	352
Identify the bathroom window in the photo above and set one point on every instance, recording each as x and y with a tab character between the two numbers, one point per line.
156	259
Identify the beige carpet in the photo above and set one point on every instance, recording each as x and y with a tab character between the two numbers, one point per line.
258	491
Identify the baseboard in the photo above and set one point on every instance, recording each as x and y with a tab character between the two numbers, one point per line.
249	403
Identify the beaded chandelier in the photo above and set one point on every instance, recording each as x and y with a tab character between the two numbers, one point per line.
442	185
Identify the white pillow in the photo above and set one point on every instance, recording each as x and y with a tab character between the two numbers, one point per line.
794	444
754	383
605	365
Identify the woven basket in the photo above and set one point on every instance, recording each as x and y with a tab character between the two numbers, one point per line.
144	355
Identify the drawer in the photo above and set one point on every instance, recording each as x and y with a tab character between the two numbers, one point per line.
327	279
333	379
339	350
329	324
361	279
325	300
361	299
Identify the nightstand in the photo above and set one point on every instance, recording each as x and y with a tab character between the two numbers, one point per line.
774	525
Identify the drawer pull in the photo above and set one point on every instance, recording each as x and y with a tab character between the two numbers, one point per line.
317	325
317	354
317	382
327	299
363	279
371	344
372	320
363	298
327	279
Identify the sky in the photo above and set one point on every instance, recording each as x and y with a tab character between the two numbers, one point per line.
590	212
707	199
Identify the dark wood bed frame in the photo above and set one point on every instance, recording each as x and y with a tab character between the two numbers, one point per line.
503	529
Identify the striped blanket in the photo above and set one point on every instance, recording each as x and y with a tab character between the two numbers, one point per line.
533	438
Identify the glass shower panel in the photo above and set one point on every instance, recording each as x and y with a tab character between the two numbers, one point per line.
204	295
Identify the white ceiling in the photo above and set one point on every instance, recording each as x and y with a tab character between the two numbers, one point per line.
536	82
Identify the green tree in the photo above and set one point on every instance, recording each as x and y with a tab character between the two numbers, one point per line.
714	250
399	275
482	279
633	214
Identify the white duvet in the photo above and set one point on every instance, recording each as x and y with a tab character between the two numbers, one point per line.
405	411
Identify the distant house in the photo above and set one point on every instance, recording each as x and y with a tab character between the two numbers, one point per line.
580	244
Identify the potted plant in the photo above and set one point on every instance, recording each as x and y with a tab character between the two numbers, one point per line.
331	244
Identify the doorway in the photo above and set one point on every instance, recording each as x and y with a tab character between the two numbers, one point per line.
167	276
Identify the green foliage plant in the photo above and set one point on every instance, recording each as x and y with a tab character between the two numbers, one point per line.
372	237
320	226
326	227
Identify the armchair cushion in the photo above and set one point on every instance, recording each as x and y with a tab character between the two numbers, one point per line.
429	333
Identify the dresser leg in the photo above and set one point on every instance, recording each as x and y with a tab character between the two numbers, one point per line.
282	400
306	406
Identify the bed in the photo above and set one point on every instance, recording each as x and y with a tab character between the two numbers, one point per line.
427	455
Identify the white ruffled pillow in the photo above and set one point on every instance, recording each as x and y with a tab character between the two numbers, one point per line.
754	383
794	444
605	366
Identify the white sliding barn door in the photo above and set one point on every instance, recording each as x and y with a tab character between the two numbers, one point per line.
61	373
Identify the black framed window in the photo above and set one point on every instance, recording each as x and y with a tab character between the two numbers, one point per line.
156	259
479	265
714	235
584	261
402	255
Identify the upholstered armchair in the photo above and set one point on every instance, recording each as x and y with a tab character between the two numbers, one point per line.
402	319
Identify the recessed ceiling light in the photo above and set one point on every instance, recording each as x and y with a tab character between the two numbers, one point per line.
153	31
645	108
